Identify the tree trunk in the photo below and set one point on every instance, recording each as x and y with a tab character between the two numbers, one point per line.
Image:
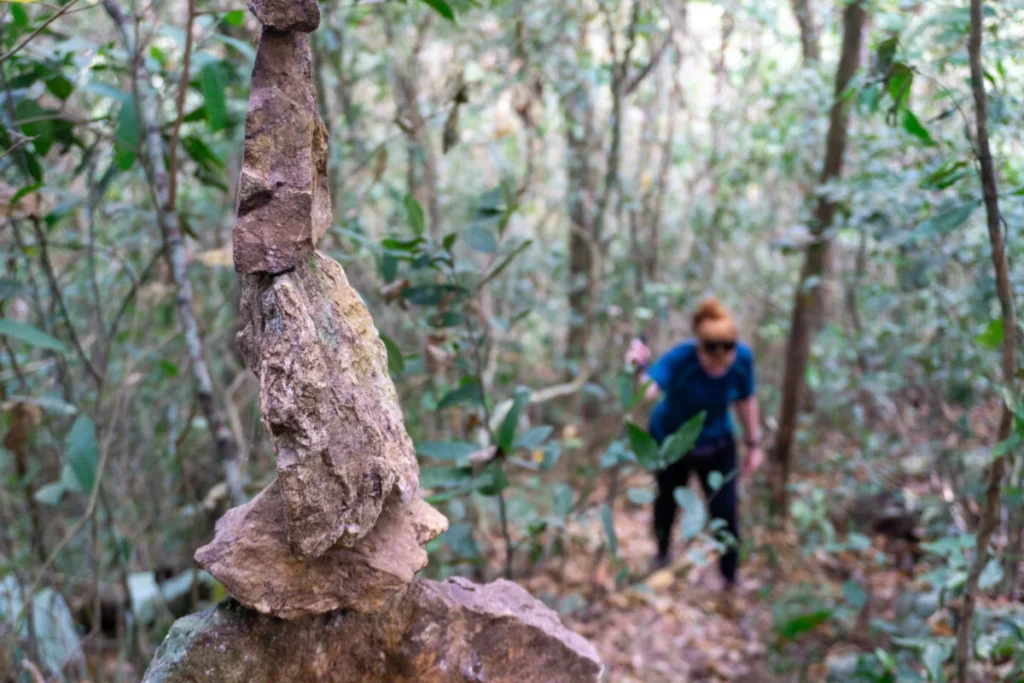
808	31
798	349
991	506
583	248
148	115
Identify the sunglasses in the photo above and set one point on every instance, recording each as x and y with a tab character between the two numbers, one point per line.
713	346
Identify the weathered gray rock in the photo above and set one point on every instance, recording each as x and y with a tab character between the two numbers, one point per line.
431	632
284	202
250	555
287	15
327	402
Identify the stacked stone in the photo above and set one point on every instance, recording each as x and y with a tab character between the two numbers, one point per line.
323	560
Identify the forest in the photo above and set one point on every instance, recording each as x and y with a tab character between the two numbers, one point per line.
519	193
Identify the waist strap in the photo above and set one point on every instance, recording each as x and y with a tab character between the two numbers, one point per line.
711	448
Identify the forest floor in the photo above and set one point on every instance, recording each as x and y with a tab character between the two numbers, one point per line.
803	612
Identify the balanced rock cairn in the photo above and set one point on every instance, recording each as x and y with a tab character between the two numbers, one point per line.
321	563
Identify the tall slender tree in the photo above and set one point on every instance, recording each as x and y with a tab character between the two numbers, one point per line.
798	349
990	513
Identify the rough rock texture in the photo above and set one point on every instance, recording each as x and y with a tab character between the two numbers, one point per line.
287	15
250	556
284	202
327	402
430	633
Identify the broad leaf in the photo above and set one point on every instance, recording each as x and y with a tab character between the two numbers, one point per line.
532	438
414	213
695	514
913	125
683	441
992	337
396	361
639	496
126	136
455	451
30	335
235	18
82	452
442	8
481	239
468	392
644	447
609	529
803	623
211	82
506	434
947	221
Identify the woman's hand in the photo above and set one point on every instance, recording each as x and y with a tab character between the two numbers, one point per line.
753	461
638	355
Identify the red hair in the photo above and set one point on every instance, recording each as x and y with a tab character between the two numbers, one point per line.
716	320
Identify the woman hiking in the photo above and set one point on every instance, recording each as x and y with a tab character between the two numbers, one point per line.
709	373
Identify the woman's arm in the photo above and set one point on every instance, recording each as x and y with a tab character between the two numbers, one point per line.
750	417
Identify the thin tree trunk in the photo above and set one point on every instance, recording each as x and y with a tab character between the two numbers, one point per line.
148	116
991	506
798	349
808	31
824	294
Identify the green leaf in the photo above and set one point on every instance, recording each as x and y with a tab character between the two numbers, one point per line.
396	361
609	529
414	213
19	15
211	82
901	78
682	442
638	496
803	623
992	337
37	126
565	500
715	480
481	239
506	434
126	137
431	295
1007	445
50	494
532	438
442	8
991	575
855	595
468	392
947	221
236	18
60	87
30	335
81	452
695	514
200	152
455	451
643	446
24	191
933	657
492	480
913	125
945	175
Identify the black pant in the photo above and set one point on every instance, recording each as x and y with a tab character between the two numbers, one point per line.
722	504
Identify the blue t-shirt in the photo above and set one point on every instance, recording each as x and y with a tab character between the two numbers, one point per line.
689	390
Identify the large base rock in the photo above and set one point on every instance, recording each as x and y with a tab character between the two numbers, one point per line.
431	633
251	557
328	403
